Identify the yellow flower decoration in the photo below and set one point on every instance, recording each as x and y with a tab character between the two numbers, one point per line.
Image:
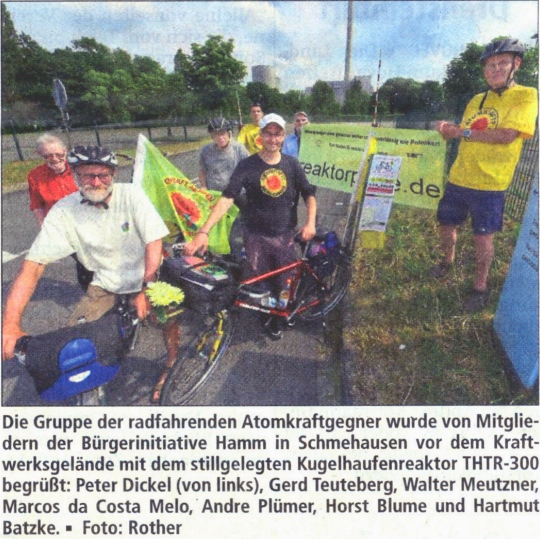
165	299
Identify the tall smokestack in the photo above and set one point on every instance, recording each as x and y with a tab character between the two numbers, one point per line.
348	51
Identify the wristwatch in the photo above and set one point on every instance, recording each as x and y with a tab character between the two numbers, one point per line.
467	134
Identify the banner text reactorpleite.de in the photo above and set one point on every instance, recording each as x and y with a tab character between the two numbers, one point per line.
331	153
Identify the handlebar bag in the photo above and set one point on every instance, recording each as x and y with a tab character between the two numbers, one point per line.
323	253
209	288
71	360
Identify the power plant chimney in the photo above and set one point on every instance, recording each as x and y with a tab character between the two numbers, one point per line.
348	51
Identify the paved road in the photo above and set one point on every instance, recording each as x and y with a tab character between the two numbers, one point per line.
300	369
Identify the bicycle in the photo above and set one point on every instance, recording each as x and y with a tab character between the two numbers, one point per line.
73	364
320	278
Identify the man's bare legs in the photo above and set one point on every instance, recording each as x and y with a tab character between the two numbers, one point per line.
485	251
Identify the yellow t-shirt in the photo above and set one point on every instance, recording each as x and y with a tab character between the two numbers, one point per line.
490	167
250	137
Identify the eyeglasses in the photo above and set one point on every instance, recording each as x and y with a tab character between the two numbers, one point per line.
103	178
301	120
50	156
499	65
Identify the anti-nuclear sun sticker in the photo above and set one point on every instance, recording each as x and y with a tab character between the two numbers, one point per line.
273	182
482	120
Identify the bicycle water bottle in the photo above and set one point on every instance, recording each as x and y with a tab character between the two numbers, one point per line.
284	296
270	302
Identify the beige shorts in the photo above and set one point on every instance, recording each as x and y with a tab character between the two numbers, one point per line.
93	305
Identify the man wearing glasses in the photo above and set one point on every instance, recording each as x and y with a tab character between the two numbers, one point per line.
113	229
50	182
273	183
291	144
492	130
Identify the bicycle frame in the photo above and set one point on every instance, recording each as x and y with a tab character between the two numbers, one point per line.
302	268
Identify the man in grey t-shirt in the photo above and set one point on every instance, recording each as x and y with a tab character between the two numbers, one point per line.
219	159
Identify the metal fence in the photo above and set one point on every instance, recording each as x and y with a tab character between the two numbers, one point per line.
520	189
21	147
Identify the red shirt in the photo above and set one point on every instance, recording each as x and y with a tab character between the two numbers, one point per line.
46	188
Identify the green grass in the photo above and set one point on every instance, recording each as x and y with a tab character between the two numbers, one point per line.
410	339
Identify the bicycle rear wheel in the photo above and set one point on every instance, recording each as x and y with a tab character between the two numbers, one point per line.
198	360
330	297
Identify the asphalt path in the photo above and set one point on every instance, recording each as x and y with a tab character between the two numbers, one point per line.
301	369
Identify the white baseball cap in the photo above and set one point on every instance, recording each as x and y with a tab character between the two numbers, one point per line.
272	119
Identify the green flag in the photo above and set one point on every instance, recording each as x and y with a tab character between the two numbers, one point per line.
182	205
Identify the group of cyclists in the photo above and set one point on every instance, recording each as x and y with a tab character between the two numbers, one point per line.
116	234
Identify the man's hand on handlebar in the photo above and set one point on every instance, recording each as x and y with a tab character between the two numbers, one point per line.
142	305
198	244
10	334
306	233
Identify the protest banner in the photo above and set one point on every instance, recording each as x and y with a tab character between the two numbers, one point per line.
330	154
182	205
516	320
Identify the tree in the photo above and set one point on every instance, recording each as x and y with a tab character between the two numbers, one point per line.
213	71
401	95
431	96
528	72
323	100
464	78
295	101
356	100
33	77
11	57
269	98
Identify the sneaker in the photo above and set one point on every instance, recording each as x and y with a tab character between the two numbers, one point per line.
440	270
476	300
273	328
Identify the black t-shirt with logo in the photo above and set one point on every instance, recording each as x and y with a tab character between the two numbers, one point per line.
272	193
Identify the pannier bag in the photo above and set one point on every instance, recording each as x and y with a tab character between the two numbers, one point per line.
72	360
323	253
209	288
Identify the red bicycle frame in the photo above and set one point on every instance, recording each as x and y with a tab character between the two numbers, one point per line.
301	268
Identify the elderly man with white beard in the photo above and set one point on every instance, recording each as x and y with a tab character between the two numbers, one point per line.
113	229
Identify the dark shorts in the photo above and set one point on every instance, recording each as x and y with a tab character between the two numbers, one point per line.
485	207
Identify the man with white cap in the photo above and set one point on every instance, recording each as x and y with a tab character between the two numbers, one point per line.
273	183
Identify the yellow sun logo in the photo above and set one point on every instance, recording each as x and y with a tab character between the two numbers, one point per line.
273	182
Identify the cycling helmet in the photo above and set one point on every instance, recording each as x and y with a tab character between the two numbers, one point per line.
219	124
92	155
502	46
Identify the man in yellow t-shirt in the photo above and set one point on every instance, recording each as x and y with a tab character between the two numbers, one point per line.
250	135
492	131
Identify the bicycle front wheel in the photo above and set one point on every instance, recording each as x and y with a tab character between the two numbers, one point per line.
198	360
334	291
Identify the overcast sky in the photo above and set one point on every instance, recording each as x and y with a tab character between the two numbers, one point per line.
304	41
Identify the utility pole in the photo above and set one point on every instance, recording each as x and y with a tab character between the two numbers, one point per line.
348	50
375	120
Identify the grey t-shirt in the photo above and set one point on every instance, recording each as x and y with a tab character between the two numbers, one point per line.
219	164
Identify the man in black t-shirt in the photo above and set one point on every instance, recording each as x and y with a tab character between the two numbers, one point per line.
273	184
